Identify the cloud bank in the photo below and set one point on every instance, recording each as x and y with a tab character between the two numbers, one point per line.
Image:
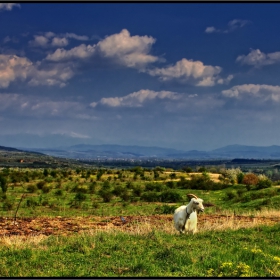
264	92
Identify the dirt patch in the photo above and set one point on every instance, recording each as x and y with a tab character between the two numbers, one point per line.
132	224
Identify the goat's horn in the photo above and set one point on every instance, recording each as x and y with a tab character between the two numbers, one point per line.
192	195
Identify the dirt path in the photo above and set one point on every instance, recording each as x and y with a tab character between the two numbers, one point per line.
132	224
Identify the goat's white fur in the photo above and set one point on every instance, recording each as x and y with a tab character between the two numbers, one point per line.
180	215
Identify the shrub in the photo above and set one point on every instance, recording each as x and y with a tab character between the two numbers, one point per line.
149	196
3	184
229	195
31	188
118	190
187	169
80	196
7	205
165	209
250	179
31	202
155	187
264	182
58	192
171	184
46	189
41	184
106	195
92	187
125	196
170	196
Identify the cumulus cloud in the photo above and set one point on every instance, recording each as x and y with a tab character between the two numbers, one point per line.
8	6
79	52
59	42
189	70
39	41
258	59
50	39
131	51
264	92
55	75
12	68
232	25
137	99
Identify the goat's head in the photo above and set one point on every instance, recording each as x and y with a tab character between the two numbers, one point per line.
197	202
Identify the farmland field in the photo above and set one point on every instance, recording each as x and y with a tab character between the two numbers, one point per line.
118	222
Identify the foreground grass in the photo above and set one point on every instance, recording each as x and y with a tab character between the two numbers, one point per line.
250	252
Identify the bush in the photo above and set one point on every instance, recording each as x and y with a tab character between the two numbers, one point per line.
80	196
250	179
158	187
171	184
149	196
46	189
137	190
58	192
31	188
229	195
169	196
3	183
92	187
262	184
31	202
7	205
118	190
41	184
106	195
125	196
165	209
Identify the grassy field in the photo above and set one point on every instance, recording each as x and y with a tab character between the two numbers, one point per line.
65	222
252	252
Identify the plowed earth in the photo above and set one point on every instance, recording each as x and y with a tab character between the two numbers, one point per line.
133	224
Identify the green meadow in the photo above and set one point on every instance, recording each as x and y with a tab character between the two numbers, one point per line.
220	251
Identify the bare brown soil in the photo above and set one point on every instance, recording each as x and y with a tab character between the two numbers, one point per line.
133	224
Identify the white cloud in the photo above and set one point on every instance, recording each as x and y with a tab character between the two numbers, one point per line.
39	41
75	36
52	75
8	6
13	68
225	81
258	59
211	29
264	92
59	42
232	25
136	99
40	106
71	134
79	52
131	51
189	70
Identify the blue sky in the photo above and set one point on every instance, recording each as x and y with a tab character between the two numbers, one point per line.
179	75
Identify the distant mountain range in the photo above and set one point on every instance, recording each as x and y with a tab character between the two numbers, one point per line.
88	152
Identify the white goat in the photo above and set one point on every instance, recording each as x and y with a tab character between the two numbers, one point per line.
185	217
